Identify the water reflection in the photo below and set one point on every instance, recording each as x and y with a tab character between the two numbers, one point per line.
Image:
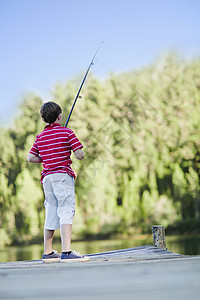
188	245
32	252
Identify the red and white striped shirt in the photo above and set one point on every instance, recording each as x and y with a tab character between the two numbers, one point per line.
54	145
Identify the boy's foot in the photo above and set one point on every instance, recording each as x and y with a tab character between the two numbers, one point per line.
51	257
73	256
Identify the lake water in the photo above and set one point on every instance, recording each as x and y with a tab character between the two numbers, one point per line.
184	244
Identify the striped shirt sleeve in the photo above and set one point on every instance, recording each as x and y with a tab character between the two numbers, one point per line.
34	149
74	142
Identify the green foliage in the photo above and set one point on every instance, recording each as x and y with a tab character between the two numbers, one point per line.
140	132
28	206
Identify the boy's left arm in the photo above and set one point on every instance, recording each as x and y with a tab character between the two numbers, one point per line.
34	159
34	155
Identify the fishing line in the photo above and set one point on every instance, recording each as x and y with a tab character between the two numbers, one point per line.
83	81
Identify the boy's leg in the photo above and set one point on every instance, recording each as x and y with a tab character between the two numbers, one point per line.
65	232
48	239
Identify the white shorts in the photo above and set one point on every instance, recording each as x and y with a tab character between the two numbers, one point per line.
59	201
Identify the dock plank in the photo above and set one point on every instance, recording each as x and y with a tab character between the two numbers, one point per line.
132	254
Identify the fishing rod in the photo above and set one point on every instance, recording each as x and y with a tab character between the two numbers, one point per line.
82	83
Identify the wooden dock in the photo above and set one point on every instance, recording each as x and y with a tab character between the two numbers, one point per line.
140	272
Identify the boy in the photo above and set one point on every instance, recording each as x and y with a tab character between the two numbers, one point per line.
53	148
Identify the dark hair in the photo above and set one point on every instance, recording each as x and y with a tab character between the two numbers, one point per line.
50	111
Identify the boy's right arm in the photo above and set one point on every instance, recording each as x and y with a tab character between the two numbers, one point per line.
79	154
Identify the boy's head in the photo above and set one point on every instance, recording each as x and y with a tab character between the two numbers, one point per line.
50	111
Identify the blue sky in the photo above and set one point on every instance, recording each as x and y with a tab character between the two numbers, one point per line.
47	41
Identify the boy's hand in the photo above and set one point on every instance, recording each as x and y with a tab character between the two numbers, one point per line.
79	154
34	159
